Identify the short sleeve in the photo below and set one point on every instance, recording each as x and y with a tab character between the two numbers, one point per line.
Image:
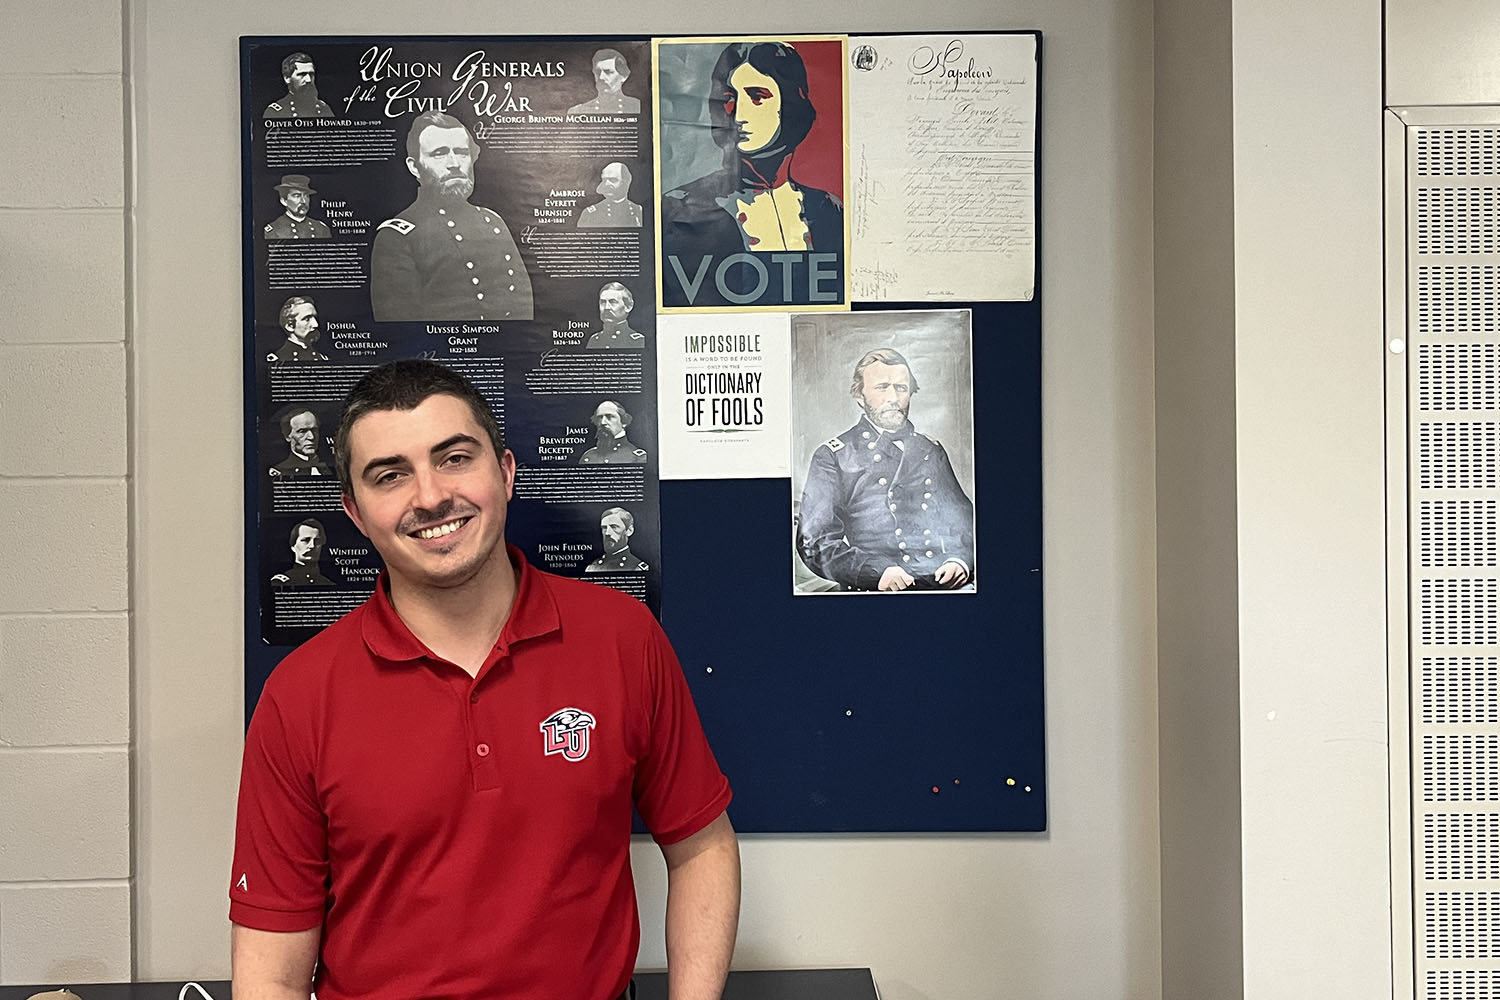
279	880
678	787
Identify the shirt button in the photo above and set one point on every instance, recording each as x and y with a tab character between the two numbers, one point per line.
871	446
475	280
926	496
877	458
866	434
929	553
450	223
900	545
482	749
459	237
469	264
480	295
893	506
927	531
927	483
442	211
497	232
507	256
898	531
906	558
924	506
512	271
512	287
474	698
882	480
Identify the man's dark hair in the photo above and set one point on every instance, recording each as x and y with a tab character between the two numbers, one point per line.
781	63
886	356
289	309
621	66
406	385
625	516
436	119
291	61
310	522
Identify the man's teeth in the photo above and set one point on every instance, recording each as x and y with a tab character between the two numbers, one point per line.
441	529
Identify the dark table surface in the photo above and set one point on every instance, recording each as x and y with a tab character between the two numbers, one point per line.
799	984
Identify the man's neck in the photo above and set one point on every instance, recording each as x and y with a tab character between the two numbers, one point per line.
460	624
293	338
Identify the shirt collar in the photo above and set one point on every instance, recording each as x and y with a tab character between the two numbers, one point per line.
533	614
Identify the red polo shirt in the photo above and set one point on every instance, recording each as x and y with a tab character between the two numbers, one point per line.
469	837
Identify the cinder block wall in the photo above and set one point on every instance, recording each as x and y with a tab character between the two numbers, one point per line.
65	735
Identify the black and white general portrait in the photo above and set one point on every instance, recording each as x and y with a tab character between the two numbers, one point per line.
306	543
616	526
296	193
299	320
300	428
301	100
610	73
443	257
884	504
612	444
615	305
615	210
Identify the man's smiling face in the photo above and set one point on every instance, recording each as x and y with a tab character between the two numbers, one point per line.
429	492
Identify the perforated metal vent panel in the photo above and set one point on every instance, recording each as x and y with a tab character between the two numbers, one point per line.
1458	376
1458	220
1452	408
1458	300
1449	152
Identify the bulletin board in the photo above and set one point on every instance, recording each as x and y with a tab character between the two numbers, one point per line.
832	705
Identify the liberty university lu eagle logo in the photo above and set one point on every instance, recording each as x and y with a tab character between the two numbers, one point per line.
566	731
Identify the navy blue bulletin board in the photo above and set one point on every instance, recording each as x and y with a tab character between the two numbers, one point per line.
861	713
875	712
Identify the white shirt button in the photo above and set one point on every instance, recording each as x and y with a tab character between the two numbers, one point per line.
450	223
469	264
480	295
476	281
458	236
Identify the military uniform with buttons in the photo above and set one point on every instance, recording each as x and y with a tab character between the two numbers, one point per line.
608	104
870	503
284	227
445	259
288	107
291	352
620	335
620	214
623	561
620	451
301	576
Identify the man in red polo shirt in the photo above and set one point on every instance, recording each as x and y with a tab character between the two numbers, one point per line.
437	789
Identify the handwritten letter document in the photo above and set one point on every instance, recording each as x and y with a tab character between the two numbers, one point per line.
943	162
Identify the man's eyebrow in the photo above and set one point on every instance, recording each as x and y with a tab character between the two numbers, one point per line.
441	446
459	438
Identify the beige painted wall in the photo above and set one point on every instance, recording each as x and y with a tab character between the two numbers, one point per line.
1196	584
1309	357
1069	914
65	833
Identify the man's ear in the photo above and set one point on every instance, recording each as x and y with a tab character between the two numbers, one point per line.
508	472
411	166
352	509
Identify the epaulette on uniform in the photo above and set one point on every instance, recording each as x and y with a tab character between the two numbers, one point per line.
269	226
399	225
275	106
833	444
